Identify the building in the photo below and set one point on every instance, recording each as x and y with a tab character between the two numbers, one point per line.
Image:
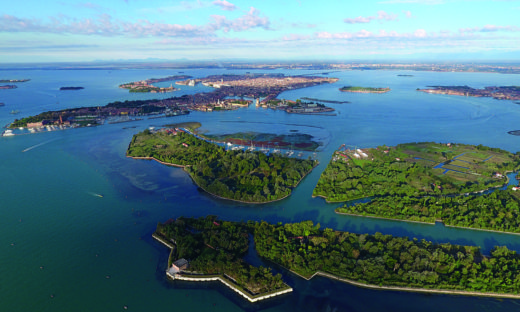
34	124
179	265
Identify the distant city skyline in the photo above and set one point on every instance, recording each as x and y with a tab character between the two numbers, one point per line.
76	31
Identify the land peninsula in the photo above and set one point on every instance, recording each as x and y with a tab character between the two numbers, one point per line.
414	169
364	89
268	86
213	247
244	176
146	85
499	93
13	80
215	250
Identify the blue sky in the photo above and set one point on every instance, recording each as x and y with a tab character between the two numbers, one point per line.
68	30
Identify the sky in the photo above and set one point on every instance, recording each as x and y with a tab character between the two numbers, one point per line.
339	30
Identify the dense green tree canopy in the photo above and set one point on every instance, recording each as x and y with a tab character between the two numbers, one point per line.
238	175
386	260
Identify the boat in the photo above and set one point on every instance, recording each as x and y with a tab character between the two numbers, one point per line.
264	150
2	104
8	132
14	112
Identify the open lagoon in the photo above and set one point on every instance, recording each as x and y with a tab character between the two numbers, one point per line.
63	248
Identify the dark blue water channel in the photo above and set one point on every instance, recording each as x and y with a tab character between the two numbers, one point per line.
64	248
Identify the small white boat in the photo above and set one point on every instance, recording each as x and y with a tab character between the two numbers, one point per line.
8	132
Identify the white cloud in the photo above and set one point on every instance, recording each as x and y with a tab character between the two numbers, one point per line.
408	14
427	2
381	16
104	25
490	28
251	20
224	5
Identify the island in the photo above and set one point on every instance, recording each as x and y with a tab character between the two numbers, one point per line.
364	89
499	93
114	112
13	80
243	176
383	262
298	107
228	96
414	169
215	250
7	87
146	85
71	88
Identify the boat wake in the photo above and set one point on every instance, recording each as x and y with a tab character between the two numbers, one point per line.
95	194
37	145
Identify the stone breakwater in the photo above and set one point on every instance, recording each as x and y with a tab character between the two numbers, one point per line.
202	278
223	280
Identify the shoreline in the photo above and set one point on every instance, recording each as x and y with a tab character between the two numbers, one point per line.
412	289
486	230
398	288
427	223
375	217
214	195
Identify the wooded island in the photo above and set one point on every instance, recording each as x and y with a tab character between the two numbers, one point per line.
364	89
377	261
251	177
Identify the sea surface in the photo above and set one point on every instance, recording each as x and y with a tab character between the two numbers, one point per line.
63	248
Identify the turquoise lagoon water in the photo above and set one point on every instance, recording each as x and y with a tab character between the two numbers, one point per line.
63	248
